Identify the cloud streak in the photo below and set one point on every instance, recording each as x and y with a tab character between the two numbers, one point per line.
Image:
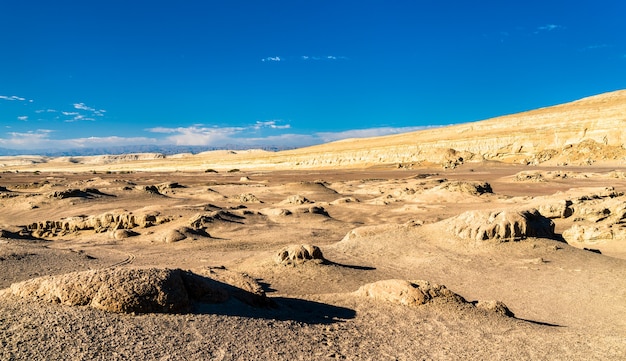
272	58
41	140
12	98
304	58
548	28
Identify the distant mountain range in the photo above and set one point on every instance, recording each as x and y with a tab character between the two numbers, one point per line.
163	149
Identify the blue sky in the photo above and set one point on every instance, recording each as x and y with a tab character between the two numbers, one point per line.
290	73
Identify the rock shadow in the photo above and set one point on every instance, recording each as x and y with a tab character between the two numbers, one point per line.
355	267
284	309
540	323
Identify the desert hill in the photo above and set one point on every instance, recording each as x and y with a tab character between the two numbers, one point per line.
592	126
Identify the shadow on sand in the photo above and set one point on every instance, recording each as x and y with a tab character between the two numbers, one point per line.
283	309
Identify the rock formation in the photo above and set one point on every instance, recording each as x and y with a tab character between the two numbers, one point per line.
109	221
501	225
298	254
131	290
417	293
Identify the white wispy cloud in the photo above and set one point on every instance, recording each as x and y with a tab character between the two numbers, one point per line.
78	118
81	112
39	111
23	118
82	106
270	124
41	140
198	135
93	111
272	58
30	140
305	58
12	98
326	57
549	27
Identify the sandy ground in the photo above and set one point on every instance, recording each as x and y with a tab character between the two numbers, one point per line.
371	225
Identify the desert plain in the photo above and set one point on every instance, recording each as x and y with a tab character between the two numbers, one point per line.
503	239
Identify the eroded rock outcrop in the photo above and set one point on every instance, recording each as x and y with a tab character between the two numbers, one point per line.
296	199
109	221
501	225
298	254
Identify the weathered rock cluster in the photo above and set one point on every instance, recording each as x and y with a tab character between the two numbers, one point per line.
109	221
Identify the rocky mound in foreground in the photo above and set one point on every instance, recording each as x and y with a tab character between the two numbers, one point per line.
129	290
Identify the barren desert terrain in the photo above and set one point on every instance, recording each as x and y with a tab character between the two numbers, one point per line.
434	245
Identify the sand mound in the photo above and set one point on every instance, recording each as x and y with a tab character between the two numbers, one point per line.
203	220
120	234
313	187
152	190
298	254
495	306
537	176
182	233
168	187
310	210
501	225
473	188
407	293
417	293
247	198
77	193
344	200
127	290
296	199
